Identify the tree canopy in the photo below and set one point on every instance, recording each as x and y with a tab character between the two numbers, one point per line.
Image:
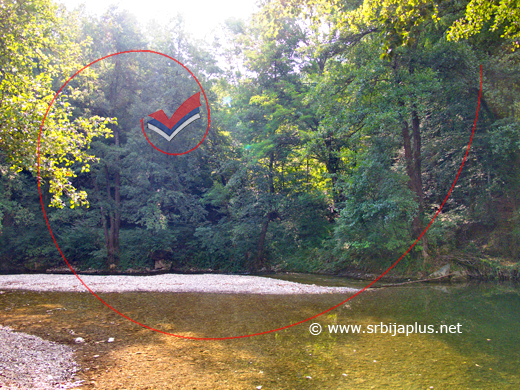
337	130
38	54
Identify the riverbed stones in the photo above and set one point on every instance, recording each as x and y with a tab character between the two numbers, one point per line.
29	362
162	265
202	283
443	271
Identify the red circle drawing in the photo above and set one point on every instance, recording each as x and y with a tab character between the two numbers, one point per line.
252	334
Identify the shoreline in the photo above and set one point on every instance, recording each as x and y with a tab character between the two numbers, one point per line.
172	283
30	362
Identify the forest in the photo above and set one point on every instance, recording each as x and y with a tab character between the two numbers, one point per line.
336	131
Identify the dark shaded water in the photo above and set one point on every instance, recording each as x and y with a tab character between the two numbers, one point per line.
484	356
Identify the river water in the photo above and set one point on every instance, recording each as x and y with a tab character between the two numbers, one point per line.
480	352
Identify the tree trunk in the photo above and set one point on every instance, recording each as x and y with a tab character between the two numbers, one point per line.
259	258
117	197
416	132
413	170
332	165
417	170
108	227
113	215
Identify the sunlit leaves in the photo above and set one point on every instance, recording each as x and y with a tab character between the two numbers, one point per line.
503	15
38	53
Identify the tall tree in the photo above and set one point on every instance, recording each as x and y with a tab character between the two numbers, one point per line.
38	52
112	94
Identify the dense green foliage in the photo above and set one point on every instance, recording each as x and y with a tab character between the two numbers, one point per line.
337	131
38	49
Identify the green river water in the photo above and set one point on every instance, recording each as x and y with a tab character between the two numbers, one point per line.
485	355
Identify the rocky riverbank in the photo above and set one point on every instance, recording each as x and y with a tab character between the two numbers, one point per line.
29	362
205	283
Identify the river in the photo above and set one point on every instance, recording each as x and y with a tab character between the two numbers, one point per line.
480	352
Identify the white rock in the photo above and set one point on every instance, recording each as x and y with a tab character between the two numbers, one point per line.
110	340
79	340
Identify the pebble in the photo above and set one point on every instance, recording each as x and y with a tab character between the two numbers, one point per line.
29	362
213	283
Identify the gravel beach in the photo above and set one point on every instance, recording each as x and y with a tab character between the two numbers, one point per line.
203	283
29	362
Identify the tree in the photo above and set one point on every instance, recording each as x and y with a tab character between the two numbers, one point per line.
137	191
400	21
38	52
503	16
333	141
266	105
397	100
